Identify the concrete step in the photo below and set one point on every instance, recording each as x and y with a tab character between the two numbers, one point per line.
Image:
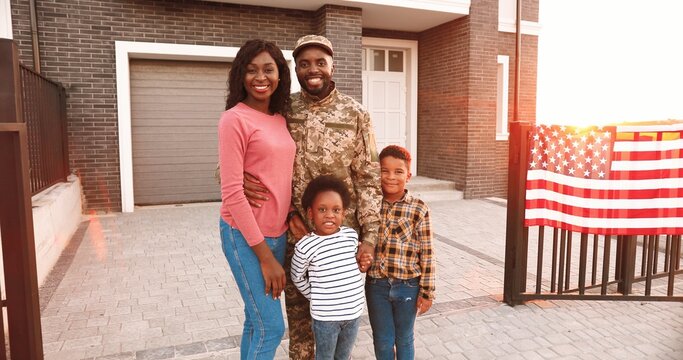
436	196
433	190
422	183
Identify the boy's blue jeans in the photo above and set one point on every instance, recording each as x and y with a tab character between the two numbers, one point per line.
263	324
335	339
392	310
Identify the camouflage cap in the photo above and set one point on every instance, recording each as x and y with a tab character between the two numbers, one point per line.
312	40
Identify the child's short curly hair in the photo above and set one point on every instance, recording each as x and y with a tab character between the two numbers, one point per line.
325	183
396	151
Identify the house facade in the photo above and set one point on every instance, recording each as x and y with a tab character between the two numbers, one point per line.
146	82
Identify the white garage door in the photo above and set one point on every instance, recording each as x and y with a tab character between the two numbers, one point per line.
175	106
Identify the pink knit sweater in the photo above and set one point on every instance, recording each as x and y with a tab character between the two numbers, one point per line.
259	144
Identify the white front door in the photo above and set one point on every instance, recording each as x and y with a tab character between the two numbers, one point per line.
384	95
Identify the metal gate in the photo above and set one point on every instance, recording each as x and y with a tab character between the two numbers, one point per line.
16	219
544	262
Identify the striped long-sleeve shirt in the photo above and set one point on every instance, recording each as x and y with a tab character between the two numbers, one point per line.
324	269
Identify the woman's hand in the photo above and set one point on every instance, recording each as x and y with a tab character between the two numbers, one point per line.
273	273
274	276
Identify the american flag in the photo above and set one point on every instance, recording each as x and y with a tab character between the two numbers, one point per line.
613	180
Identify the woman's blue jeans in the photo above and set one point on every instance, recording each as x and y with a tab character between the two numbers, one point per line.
392	310
335	339
263	324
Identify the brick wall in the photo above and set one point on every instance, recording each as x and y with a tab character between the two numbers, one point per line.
457	97
443	69
483	52
343	27
77	49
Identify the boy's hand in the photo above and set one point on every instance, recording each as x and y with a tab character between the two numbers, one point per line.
364	256
254	190
365	262
423	305
297	227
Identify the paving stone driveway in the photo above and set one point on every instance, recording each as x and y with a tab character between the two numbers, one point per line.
154	285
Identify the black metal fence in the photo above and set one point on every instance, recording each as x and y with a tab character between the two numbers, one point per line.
16	216
44	112
543	262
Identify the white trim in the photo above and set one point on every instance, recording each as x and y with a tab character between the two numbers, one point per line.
411	84
447	6
528	27
126	50
5	20
503	134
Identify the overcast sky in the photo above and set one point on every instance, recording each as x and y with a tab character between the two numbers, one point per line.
605	61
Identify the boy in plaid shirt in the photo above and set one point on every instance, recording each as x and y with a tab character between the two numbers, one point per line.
400	283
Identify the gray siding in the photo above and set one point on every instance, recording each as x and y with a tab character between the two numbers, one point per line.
175	106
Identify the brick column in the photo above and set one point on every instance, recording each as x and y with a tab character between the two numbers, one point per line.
481	109
343	26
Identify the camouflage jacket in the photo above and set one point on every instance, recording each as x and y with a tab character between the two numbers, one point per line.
335	136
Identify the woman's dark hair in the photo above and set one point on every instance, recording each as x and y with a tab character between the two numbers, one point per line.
280	101
325	183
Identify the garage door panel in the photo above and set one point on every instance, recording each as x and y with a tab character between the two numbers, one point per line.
186	104
164	130
193	92
178	118
205	153
181	188
175	107
182	70
171	137
168	145
181	105
173	160
207	168
213	99
174	84
206	172
175	198
187	185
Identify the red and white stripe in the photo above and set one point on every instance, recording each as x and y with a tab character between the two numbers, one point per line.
641	195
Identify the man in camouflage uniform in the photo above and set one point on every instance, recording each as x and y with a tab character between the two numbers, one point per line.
333	135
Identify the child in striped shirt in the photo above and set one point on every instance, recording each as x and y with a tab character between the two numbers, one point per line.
325	271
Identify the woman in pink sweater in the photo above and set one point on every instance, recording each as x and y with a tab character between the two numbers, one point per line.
253	138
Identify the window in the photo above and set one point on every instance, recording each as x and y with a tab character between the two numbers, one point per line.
502	97
377	60
383	60
396	61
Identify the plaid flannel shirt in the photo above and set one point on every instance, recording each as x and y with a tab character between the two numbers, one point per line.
404	249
